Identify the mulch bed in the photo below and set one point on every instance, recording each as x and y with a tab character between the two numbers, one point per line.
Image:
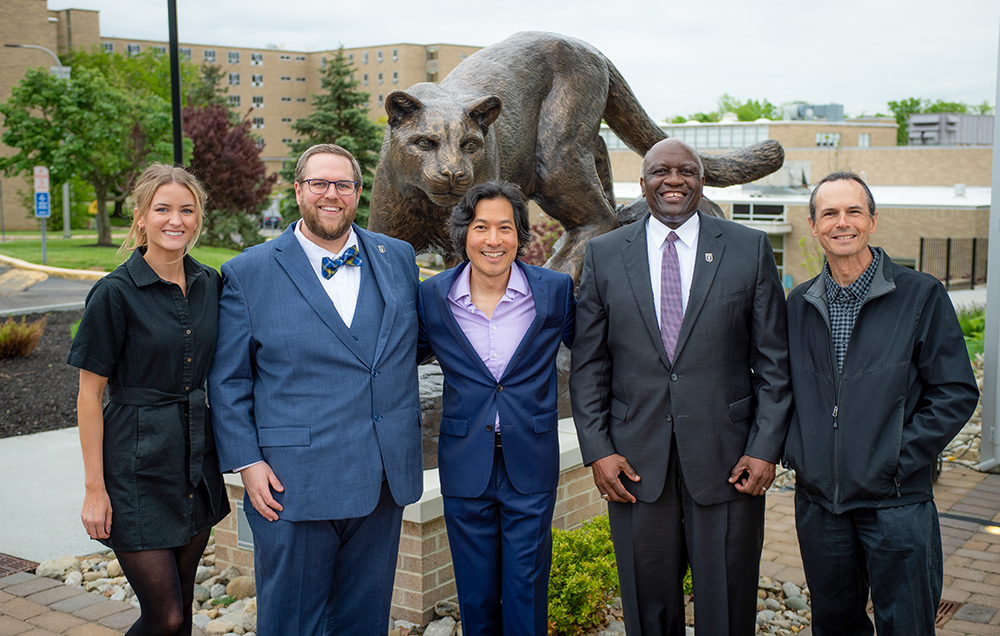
38	392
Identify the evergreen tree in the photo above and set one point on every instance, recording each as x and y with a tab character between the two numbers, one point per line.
339	116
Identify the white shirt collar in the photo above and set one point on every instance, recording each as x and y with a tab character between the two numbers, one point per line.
687	232
315	253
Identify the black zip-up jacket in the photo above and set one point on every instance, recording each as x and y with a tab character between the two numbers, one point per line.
868	436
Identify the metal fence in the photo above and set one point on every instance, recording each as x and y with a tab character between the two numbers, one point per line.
958	263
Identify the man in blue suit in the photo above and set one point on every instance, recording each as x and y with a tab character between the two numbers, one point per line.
315	404
495	324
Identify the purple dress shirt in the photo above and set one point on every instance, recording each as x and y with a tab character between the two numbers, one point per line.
494	339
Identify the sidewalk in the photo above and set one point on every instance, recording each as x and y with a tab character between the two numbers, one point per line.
968	502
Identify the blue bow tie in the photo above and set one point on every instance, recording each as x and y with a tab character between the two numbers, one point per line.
350	258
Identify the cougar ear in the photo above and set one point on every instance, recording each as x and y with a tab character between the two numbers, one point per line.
399	105
485	111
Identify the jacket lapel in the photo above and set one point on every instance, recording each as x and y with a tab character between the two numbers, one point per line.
706	264
448	318
636	259
383	272
540	298
293	260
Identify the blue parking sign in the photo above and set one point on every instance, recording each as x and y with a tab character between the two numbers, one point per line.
42	209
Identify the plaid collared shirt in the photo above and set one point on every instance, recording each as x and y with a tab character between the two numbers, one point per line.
844	303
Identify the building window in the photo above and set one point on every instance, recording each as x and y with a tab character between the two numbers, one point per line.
778	247
432	76
257	80
301	100
322	62
132	50
284	57
286	140
462	56
258	122
364	57
432	54
159	51
234	57
395	55
234	101
395	77
257	59
828	140
379	55
300	79
109	47
185	52
761	213
350	58
286	99
364	79
234	79
258	101
300	58
286	78
209	56
864	140
286	120
379	78
381	100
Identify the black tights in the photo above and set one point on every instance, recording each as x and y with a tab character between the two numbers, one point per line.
163	581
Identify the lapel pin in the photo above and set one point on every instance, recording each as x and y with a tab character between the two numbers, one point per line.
708	257
381	248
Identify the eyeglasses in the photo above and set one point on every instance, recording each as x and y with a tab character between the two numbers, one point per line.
320	186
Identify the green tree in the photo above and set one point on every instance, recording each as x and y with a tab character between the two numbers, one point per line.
339	116
902	109
750	110
208	88
88	127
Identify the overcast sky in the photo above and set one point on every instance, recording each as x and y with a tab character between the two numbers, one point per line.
678	57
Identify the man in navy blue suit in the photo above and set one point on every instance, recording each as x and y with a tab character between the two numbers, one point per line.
495	325
315	404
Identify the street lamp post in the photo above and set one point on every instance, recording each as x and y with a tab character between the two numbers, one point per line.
62	72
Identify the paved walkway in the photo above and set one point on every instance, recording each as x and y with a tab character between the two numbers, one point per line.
969	502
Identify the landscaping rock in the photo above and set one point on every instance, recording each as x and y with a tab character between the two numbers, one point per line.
57	568
241	587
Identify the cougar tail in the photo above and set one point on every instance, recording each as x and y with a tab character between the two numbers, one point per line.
629	121
626	116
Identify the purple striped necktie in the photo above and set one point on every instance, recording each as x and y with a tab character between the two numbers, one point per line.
671	309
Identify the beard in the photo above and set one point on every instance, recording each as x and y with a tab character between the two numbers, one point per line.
328	229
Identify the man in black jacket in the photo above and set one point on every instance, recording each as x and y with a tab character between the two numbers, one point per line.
881	383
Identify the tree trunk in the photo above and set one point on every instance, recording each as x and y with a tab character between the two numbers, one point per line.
103	221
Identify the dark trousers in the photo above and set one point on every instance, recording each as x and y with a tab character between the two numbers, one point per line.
893	552
654	543
326	578
501	548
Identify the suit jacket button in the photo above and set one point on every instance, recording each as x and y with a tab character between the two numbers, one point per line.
670	418
489	428
378	418
500	388
673	377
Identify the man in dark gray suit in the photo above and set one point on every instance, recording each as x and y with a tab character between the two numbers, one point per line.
680	383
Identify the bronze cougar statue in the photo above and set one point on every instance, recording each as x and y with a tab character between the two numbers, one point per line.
528	110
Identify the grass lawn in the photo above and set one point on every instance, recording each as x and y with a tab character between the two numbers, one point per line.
83	253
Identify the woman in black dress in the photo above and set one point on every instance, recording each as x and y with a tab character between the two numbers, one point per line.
153	487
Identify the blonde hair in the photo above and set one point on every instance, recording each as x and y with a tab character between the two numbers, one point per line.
141	197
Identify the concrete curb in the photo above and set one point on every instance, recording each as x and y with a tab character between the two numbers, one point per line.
72	274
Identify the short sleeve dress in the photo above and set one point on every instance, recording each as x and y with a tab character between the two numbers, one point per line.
155	346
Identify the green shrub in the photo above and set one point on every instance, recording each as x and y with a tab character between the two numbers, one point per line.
20	338
973	322
584	578
73	329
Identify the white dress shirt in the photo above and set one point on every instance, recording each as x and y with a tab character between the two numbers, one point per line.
686	245
344	286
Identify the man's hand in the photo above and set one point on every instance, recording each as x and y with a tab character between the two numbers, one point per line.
752	476
258	479
606	471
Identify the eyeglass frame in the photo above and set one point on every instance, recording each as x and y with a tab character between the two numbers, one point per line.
335	184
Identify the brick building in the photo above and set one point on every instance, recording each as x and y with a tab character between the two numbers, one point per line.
270	85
